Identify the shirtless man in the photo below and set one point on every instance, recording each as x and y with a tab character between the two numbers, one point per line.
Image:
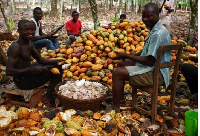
26	75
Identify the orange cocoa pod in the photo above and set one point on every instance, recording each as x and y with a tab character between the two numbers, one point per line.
55	71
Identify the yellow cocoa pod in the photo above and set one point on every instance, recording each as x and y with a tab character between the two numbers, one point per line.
97	67
142	38
93	32
69	51
99	37
111	38
126	44
112	54
119	50
123	24
89	43
136	38
101	42
55	71
129	39
173	41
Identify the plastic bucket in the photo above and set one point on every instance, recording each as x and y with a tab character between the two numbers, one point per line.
191	123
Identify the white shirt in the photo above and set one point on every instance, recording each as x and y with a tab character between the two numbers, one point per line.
165	16
37	32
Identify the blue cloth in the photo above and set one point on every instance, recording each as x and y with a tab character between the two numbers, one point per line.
50	43
156	37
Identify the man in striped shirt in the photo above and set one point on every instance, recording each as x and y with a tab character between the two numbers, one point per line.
139	70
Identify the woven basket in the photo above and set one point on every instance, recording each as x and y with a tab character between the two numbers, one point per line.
83	105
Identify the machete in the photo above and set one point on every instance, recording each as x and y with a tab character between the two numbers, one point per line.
162	6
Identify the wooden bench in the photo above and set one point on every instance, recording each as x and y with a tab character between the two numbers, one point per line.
15	98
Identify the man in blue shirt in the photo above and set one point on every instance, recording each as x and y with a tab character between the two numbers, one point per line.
139	69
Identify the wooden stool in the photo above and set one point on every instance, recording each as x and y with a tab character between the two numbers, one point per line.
15	98
153	90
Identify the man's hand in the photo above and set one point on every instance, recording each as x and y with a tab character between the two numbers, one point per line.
49	35
39	69
169	9
119	55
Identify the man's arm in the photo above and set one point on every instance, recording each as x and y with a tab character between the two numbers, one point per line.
146	60
42	35
79	31
36	55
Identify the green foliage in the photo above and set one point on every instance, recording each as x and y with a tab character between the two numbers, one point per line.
115	20
184	3
11	24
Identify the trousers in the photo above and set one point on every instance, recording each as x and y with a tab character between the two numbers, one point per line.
190	72
50	43
33	80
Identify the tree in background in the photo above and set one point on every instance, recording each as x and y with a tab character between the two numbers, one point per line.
93	6
54	9
60	10
8	21
193	19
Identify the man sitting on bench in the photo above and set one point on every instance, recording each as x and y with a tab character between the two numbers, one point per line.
26	75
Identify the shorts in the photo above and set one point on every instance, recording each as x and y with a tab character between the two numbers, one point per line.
145	79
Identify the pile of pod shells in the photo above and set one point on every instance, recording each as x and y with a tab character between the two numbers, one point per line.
90	54
25	122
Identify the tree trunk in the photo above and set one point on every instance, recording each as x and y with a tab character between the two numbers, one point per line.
120	7
128	6
136	9
12	2
71	3
110	5
116	6
5	17
33	3
78	6
132	5
60	10
193	19
125	6
93	6
139	6
106	6
28	4
79	2
54	10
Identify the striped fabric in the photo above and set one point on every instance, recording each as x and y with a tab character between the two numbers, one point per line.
157	36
